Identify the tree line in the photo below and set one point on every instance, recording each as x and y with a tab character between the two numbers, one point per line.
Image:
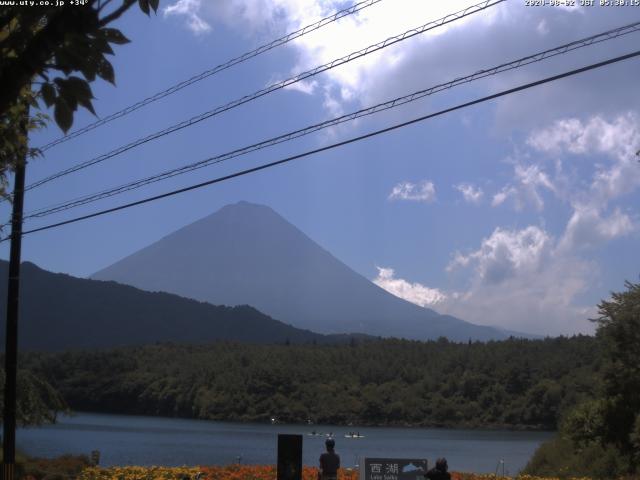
516	383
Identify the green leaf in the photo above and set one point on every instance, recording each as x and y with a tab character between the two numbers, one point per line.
63	115
73	53
89	73
102	45
90	66
88	105
48	94
154	4
113	35
79	87
144	6
64	60
105	71
70	99
77	91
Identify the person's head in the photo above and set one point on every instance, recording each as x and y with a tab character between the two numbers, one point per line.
441	464
330	443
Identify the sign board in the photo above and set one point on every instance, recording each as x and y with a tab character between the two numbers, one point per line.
289	457
392	468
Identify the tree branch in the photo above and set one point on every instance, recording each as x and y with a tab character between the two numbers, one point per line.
126	4
104	4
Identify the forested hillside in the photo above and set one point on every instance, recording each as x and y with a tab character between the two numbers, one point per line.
77	313
515	383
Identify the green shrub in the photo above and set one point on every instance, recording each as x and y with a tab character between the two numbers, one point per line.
560	458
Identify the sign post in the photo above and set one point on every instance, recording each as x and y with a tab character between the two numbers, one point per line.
289	457
392	468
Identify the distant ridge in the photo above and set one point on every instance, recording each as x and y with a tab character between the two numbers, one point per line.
248	254
61	312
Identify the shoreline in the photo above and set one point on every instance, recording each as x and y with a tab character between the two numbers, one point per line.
149	440
432	426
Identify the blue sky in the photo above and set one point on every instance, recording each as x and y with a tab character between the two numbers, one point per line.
521	213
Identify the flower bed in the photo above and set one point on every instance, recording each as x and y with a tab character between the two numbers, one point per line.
240	472
229	472
139	473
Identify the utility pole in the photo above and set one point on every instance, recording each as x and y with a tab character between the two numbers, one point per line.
13	297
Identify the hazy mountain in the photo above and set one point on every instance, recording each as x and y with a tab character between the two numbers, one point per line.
248	254
60	312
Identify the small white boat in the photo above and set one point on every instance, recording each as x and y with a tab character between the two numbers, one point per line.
353	435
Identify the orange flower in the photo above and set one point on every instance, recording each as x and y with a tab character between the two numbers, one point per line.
263	472
240	472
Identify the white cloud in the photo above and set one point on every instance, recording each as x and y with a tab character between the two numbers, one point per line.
542	28
303	86
190	9
479	41
506	253
500	197
470	193
619	137
520	280
271	16
614	142
517	279
332	102
529	179
422	192
360	80
528	279
588	227
412	292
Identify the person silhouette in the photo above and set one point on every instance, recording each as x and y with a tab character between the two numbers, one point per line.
329	462
439	472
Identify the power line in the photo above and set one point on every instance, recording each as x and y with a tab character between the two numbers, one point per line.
276	86
217	69
562	49
338	144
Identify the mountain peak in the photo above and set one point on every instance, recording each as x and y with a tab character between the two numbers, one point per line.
239	213
246	253
244	206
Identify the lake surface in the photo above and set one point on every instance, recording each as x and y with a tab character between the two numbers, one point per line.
137	440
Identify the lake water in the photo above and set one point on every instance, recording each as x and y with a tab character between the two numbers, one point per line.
137	440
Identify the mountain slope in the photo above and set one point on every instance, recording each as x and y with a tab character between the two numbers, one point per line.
248	254
60	312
